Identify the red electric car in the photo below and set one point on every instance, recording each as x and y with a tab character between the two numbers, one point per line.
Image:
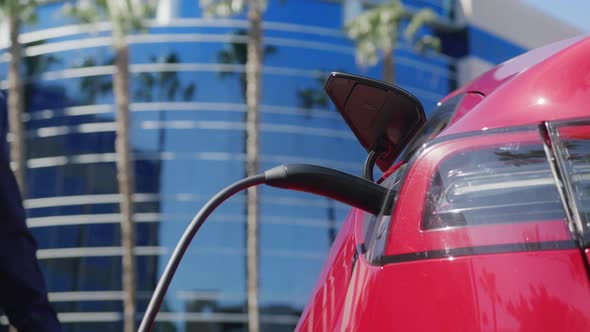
481	220
486	224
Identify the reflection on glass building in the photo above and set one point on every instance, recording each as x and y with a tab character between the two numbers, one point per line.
187	134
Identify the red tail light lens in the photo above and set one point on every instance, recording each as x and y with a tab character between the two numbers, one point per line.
506	183
571	144
486	191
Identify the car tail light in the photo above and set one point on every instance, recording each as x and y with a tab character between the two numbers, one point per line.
505	183
571	145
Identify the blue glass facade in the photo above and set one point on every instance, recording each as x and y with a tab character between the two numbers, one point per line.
187	134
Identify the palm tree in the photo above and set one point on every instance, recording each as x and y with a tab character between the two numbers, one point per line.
126	17
377	30
166	86
237	54
254	52
17	12
419	19
91	87
312	97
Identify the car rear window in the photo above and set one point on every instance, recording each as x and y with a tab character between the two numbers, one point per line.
438	119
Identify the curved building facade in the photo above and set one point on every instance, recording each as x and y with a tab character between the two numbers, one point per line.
187	133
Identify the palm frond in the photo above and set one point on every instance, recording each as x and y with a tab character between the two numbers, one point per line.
222	8
189	92
25	10
419	19
428	42
127	15
375	29
84	11
270	50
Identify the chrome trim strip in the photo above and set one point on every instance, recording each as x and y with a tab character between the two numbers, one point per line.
177	106
77	252
115	316
37	203
101	127
57	253
115	218
186	295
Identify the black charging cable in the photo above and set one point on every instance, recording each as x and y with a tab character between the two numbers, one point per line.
375	153
327	182
369	164
156	300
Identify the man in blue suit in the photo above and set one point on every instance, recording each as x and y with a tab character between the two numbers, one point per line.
23	295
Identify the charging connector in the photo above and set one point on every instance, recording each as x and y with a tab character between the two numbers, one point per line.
327	182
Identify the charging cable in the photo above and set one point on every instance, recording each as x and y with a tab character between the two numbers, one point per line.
327	182
185	240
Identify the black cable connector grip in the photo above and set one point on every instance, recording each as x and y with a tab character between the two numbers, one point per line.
343	187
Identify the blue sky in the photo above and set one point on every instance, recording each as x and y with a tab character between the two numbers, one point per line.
576	12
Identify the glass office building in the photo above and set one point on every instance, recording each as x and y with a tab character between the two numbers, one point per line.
187	133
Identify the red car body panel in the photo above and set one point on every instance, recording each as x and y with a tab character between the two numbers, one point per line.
555	85
328	296
493	79
470	294
530	283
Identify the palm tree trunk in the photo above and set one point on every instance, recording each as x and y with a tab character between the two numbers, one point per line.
388	67
253	65
16	105
125	178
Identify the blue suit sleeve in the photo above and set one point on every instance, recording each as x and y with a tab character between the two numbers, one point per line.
23	294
